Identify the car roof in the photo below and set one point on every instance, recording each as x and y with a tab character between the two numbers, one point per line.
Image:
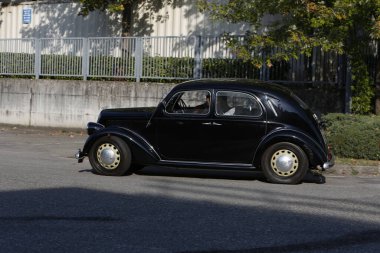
235	84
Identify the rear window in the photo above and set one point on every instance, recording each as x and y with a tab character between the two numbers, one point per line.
231	103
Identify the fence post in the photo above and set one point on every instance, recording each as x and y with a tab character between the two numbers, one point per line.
198	57
264	74
138	58
377	78
314	65
85	59
37	58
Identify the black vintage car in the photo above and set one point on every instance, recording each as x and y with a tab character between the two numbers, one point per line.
221	124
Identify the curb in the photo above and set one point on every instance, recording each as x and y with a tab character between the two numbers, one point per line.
352	170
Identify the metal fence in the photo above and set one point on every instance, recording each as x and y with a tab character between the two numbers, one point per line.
159	58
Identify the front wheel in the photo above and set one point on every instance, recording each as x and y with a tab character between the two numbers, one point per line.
110	156
284	163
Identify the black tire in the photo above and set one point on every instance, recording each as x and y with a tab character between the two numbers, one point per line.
284	163
110	156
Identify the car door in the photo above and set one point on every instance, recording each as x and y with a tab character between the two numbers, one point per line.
183	127
238	125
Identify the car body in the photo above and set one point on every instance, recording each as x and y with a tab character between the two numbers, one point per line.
222	124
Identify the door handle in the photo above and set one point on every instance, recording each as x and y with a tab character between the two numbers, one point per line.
211	124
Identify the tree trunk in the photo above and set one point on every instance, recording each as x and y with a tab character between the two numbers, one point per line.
127	20
377	91
377	81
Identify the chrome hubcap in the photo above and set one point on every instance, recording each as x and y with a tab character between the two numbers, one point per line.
108	156
284	163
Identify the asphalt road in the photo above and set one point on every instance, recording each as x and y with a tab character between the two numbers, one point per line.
49	203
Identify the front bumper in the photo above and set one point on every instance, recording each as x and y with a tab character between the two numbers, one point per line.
79	156
329	164
330	159
92	127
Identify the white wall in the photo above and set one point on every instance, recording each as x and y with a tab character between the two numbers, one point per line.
55	20
61	20
183	19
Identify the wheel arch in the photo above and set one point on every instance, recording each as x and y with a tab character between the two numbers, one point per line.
314	152
142	151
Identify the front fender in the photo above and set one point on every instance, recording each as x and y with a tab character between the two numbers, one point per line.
142	151
316	153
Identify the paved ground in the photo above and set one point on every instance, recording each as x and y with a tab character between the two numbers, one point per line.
49	203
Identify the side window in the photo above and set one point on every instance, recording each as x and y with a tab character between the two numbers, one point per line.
190	102
231	103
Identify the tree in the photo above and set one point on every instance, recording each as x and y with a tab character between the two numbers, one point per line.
123	7
343	26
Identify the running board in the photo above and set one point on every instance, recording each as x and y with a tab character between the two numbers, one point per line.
210	165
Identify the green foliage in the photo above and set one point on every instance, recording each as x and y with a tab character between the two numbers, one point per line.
229	68
342	26
108	66
61	65
299	26
159	68
168	67
113	5
124	8
354	136
363	90
17	63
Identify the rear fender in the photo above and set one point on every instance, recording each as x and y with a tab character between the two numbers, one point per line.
142	151
317	154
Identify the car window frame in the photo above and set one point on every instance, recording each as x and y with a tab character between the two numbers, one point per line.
189	114
256	98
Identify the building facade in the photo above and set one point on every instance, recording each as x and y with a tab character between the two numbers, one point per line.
56	19
49	19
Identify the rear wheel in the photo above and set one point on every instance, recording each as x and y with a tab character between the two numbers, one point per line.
284	163
110	156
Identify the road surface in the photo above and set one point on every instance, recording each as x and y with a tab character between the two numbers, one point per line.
50	203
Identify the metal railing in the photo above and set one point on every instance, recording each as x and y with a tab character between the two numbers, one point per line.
17	57
60	57
160	58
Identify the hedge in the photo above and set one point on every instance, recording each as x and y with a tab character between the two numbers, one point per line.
353	136
153	67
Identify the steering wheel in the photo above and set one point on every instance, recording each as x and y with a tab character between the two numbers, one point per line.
182	105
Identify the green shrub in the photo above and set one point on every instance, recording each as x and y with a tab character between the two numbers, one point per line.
363	90
354	136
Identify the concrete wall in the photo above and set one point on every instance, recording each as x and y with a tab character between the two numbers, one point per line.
70	104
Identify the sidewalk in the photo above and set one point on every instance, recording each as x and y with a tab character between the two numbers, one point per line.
339	169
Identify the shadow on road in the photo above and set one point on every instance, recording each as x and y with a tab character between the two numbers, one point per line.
217	174
175	218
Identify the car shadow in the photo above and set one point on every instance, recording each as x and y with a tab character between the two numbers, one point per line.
220	219
217	174
200	173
